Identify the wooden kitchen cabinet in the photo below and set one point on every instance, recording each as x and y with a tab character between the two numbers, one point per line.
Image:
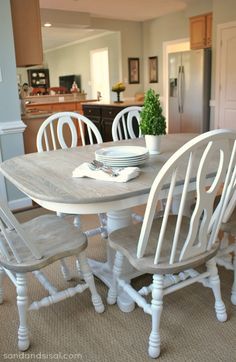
201	31
39	78
26	26
54	107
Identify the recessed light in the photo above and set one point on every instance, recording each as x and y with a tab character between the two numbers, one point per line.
47	25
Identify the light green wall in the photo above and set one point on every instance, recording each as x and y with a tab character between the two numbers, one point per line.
131	47
9	108
155	32
224	11
75	59
125	42
11	144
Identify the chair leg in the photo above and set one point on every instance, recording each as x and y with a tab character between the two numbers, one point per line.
156	307
233	292
89	279
214	281
22	304
1	284
65	270
117	268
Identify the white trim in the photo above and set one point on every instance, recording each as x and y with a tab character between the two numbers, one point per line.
12	127
212	103
220	27
20	203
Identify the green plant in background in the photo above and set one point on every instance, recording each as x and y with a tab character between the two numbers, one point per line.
152	120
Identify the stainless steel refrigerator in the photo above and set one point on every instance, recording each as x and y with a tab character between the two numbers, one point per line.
189	91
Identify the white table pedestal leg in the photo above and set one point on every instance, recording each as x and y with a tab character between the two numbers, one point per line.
117	220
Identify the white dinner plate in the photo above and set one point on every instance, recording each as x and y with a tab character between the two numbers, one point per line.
121	152
124	164
122	156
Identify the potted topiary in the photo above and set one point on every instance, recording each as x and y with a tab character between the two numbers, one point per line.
152	122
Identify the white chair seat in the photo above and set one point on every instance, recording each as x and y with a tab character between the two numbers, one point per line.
54	238
31	246
126	239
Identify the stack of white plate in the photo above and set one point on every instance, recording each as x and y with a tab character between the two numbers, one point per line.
122	156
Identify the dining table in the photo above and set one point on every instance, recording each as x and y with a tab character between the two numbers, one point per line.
46	178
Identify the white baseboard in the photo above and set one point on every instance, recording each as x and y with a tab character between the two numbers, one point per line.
20	203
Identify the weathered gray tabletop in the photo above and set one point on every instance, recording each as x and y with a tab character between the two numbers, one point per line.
47	178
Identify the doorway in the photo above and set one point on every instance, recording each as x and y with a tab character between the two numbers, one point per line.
99	64
170	47
225	111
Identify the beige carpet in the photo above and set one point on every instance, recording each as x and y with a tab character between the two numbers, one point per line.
72	330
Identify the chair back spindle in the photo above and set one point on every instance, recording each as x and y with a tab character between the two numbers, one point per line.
208	162
13	238
51	136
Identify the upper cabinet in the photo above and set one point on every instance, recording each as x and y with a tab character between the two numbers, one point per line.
201	31
38	78
27	32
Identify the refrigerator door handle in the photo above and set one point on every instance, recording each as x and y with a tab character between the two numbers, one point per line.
182	90
179	89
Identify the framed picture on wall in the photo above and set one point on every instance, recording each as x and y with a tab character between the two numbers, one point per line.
153	69
133	66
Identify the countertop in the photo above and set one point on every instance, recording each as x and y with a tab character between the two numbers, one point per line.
125	103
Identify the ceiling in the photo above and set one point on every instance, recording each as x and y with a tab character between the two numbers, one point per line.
132	10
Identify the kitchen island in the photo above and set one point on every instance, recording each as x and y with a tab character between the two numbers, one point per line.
54	103
37	108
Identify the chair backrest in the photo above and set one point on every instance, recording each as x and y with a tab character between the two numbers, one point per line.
202	164
51	136
124	123
15	244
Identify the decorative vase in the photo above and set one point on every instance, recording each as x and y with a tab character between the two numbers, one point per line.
118	97
153	144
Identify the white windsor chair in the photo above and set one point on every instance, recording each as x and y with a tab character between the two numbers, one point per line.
170	246
123	127
125	122
30	247
51	136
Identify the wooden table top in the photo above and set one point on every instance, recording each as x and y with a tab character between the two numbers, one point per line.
47	176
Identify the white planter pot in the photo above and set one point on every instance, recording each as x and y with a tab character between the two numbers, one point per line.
153	144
